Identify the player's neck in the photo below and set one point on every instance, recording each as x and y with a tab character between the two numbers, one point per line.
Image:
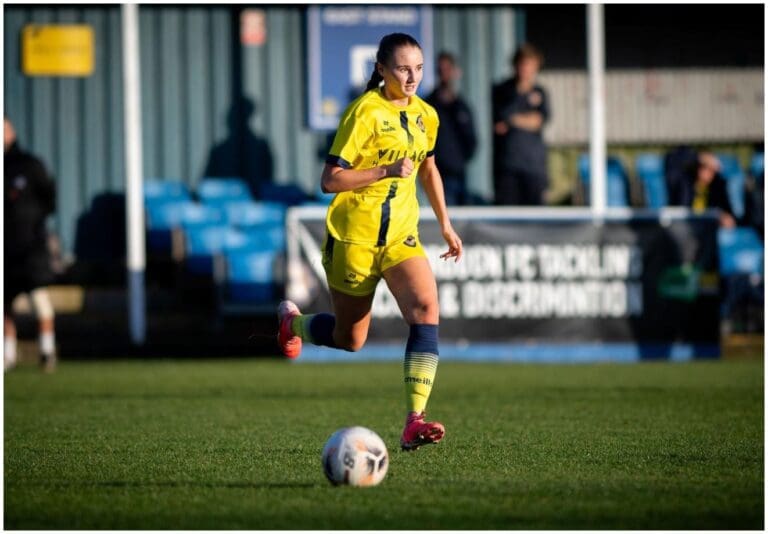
398	102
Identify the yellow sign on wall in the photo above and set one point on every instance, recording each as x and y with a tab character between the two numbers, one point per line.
57	50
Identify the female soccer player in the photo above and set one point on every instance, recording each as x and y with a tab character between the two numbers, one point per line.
385	139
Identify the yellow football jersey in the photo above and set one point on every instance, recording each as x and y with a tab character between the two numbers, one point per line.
374	132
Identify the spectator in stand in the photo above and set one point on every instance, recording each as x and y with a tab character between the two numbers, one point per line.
457	141
520	110
30	196
678	164
754	199
705	189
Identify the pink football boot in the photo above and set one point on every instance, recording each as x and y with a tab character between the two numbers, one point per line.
418	432
290	343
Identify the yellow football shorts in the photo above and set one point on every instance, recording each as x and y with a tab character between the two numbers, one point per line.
356	269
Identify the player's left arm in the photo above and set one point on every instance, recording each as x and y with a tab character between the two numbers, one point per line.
432	183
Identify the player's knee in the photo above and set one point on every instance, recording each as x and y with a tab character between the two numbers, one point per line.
354	344
351	342
424	312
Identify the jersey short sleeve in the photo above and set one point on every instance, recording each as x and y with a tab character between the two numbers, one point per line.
433	123
352	138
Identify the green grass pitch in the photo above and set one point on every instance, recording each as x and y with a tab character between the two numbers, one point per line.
235	444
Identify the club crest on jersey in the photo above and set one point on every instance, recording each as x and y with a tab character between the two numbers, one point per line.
410	241
420	124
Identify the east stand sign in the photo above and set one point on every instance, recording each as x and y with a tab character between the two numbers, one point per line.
342	41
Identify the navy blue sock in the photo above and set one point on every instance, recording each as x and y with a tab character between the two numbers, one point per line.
321	329
422	338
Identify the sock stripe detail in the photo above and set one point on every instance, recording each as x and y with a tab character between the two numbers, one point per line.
299	327
420	362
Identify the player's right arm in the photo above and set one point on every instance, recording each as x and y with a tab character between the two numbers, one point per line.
336	179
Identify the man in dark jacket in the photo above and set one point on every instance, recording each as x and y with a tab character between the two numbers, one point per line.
30	197
705	188
456	141
520	110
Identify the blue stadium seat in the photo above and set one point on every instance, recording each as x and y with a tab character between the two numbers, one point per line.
216	191
735	182
288	194
182	213
200	215
729	163
263	222
160	190
217	238
164	218
205	242
267	236
741	251
250	276
730	237
243	213
617	183
650	171
655	190
649	163
584	167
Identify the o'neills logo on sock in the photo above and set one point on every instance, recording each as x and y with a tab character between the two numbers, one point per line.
425	381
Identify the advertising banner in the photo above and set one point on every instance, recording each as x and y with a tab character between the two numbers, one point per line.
550	276
341	49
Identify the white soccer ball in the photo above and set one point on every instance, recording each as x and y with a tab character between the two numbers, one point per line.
355	456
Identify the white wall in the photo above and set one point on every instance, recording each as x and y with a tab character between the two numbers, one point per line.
660	106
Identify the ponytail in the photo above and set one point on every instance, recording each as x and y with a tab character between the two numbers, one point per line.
387	47
375	80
